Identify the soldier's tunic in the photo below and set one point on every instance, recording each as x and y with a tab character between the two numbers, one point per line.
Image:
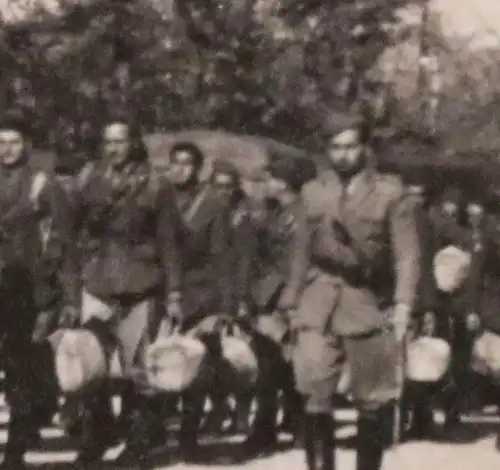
29	285
343	309
131	260
218	248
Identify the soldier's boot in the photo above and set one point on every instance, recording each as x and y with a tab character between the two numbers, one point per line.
318	440
192	412
145	429
293	414
263	438
17	444
374	435
99	430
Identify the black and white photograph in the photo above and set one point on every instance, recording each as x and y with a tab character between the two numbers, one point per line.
249	234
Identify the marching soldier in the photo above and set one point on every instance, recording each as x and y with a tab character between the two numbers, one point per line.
419	396
284	261
454	307
356	305
217	255
131	267
30	292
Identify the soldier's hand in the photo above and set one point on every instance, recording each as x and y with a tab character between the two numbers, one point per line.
174	309
69	317
473	322
400	320
429	324
243	311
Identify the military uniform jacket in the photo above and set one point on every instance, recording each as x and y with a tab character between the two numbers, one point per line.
129	243
367	241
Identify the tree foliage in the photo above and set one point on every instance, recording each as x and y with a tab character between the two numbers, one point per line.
270	67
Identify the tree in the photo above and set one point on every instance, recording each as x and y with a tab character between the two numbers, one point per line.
272	68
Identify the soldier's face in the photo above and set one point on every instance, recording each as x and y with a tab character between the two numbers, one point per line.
182	168
346	151
417	192
475	213
224	186
450	209
11	146
116	143
276	188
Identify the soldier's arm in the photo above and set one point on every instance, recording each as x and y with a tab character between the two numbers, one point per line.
169	221
298	261
56	206
406	250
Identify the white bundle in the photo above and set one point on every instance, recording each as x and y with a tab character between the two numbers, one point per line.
451	268
486	355
80	359
174	362
428	359
239	355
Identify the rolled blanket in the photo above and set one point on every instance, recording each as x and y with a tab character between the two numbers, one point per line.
174	362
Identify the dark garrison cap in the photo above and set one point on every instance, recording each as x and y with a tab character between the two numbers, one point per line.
15	120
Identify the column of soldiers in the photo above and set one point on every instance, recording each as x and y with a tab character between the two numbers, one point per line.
331	276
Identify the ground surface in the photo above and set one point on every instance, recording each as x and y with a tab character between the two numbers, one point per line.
473	451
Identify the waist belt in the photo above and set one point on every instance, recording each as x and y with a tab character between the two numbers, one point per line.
355	277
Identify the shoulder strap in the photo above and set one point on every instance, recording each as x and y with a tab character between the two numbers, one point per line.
196	204
84	175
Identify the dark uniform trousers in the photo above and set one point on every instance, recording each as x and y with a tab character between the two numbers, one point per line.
365	255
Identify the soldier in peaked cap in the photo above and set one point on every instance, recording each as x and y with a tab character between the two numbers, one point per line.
418	401
131	268
358	298
30	293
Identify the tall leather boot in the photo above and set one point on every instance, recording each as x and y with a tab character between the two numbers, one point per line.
293	410
192	411
374	435
319	443
99	427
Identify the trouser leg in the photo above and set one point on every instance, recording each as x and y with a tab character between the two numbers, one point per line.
192	411
319	443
